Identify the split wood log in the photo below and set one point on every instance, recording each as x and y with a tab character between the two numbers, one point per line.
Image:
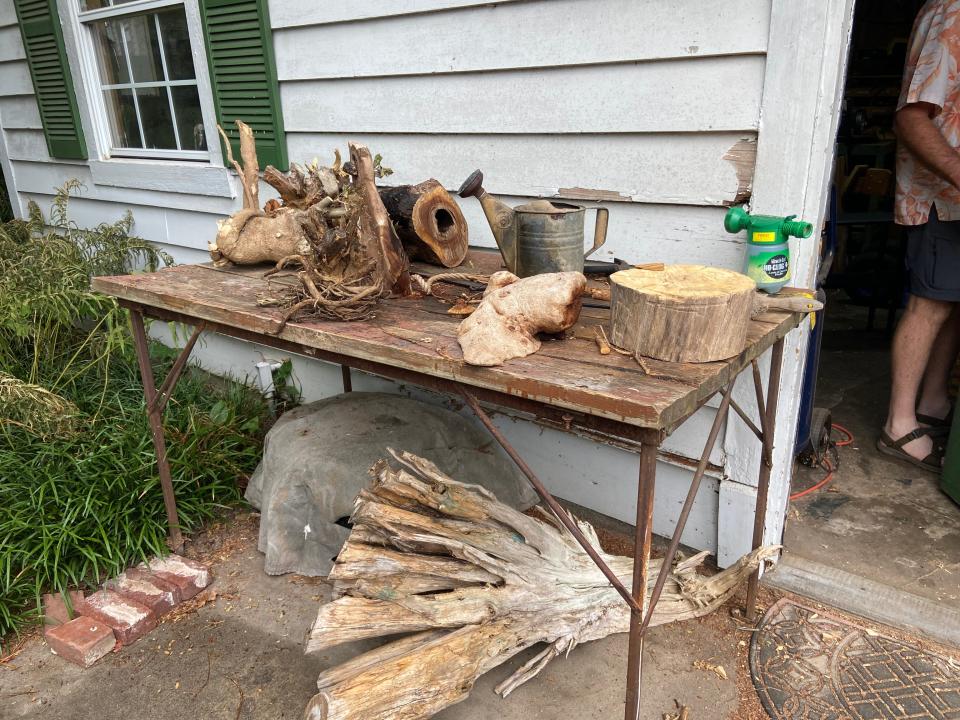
514	310
428	221
470	582
683	313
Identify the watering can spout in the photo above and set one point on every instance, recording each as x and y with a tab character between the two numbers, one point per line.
501	217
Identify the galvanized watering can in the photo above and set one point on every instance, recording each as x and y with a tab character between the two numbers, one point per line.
540	236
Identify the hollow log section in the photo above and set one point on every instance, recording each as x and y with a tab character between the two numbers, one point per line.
683	313
428	222
468	583
514	310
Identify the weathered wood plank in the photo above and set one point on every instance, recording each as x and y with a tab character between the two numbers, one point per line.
408	333
666	96
676	168
606	31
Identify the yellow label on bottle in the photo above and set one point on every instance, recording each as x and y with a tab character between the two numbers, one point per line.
765	237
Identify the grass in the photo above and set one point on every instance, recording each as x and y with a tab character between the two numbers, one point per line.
79	495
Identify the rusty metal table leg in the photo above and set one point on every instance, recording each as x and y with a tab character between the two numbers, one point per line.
155	403
641	571
671	553
768	425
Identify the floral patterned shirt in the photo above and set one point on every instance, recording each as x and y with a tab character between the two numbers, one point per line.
931	76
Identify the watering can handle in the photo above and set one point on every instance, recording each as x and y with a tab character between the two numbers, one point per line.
599	231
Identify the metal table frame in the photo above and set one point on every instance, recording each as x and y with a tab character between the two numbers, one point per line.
649	439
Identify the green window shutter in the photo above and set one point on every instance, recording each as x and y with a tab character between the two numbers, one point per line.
43	42
243	75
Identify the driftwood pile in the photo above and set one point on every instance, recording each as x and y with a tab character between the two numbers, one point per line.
467	583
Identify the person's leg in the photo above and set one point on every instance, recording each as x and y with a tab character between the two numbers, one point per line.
934	400
912	345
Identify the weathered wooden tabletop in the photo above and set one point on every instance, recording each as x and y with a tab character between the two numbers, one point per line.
418	335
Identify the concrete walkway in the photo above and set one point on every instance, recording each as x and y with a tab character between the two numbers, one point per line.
241	656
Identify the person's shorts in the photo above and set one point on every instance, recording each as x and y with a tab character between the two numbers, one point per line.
933	259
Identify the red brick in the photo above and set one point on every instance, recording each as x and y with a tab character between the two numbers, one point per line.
191	577
144	591
142	573
129	619
55	609
82	640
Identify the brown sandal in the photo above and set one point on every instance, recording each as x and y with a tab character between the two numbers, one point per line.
894	448
944	422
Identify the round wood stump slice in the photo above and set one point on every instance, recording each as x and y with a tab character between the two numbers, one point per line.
683	313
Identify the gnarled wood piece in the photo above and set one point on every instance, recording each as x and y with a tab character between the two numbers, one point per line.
332	225
376	230
513	311
428	221
302	187
503	580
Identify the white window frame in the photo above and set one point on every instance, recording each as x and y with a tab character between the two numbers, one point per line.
94	85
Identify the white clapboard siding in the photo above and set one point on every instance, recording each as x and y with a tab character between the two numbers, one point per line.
19	112
637	232
8	14
569	32
11	46
286	13
651	168
43	177
183	228
642	233
605	479
688	438
669	96
26	144
15	78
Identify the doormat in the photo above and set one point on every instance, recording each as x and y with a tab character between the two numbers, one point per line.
810	666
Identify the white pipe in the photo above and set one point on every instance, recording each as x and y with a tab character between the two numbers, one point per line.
265	370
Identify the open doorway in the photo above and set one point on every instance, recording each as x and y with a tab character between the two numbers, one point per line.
875	518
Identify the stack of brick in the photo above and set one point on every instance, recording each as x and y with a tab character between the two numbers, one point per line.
126	609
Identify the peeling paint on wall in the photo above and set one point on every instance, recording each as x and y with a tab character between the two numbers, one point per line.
579	193
743	156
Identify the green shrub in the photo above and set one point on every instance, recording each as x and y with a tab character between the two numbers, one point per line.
79	493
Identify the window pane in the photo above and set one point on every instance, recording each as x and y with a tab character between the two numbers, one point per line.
176	44
113	64
143	47
123	118
149	53
155	116
186	103
97	4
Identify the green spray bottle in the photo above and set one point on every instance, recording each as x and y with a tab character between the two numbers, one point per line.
768	247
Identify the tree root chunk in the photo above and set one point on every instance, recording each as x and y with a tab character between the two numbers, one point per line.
330	220
469	582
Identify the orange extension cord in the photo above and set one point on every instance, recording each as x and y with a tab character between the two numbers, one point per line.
826	463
